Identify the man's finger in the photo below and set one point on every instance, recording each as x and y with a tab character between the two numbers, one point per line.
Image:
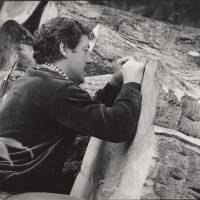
140	58
123	60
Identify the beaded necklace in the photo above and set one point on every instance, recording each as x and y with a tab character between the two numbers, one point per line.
52	68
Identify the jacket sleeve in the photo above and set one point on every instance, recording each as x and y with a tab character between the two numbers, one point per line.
108	94
74	108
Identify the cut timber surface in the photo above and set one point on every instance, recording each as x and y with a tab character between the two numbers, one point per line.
118	171
175	168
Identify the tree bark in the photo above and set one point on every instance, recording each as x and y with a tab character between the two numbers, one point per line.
121	166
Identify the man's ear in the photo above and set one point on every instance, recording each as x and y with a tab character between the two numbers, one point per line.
63	49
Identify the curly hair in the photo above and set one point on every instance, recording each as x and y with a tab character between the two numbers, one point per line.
52	33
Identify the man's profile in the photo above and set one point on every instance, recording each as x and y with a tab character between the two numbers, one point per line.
45	109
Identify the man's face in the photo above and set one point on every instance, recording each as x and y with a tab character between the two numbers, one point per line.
77	60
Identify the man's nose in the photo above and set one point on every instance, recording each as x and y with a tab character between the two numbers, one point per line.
89	59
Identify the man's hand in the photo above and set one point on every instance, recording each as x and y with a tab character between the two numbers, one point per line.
130	69
120	62
133	70
117	76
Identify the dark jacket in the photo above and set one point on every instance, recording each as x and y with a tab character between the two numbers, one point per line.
45	113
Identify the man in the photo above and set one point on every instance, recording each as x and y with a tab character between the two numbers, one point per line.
45	109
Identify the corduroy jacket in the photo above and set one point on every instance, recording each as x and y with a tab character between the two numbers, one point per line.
45	113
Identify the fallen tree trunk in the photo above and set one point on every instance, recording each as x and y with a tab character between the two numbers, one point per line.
117	171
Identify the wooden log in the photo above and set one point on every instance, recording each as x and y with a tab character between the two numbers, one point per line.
117	171
175	167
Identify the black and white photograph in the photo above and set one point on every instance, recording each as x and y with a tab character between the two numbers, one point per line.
100	100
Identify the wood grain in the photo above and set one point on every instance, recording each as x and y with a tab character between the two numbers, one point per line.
118	171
